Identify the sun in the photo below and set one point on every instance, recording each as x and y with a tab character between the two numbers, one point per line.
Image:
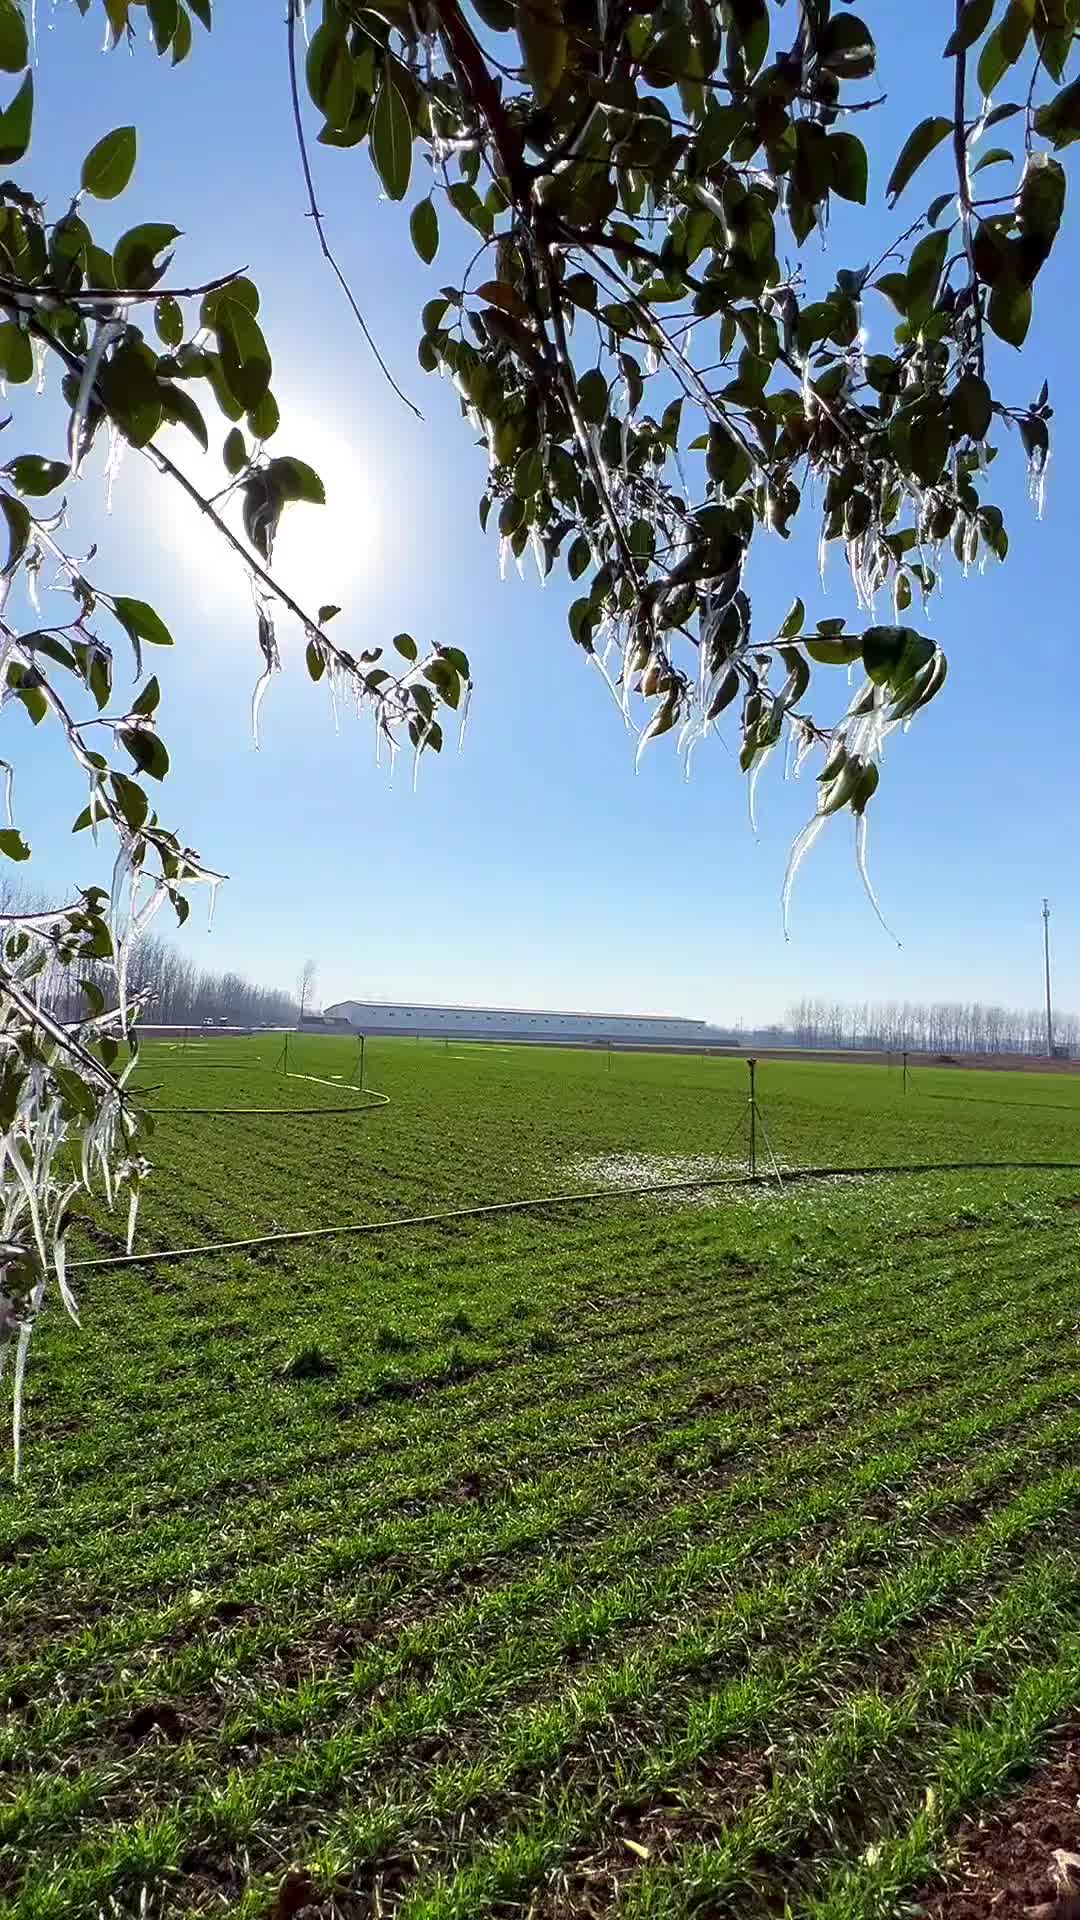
323	555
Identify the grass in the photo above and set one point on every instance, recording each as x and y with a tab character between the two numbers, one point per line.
663	1556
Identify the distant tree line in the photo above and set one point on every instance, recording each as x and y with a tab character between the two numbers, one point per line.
170	988
943	1026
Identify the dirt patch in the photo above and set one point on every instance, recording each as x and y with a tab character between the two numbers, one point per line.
1013	1865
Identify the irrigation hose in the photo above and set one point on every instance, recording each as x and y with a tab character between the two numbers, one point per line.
276	1113
170	1254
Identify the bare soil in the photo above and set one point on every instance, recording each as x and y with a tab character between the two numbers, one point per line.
1023	1862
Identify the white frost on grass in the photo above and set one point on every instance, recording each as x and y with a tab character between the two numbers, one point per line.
636	1170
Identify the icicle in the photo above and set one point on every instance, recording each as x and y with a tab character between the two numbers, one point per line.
39	363
133	1214
23	1176
464	720
504	550
112	462
9	781
301	9
751	788
25	1332
822	555
17	1400
66	1295
800	848
105	333
31	568
213	884
861	833
1037	466
257	698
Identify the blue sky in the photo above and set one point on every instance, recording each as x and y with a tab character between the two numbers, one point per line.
535	867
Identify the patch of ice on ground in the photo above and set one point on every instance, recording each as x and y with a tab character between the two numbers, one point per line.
635	1170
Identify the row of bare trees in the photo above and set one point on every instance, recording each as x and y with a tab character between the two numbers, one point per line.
176	992
939	1027
172	988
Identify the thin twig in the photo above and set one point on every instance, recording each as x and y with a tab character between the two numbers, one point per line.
19	293
963	181
313	209
380	696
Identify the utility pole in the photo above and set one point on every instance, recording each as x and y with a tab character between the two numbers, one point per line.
1049	1002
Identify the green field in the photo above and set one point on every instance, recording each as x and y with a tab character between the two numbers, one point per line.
703	1553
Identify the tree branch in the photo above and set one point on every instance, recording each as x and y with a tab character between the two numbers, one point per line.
313	209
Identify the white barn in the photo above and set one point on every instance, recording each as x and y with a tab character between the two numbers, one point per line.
516	1023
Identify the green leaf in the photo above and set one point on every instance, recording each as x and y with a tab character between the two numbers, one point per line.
179	408
930	441
331	74
1059	120
130	799
181	44
919	144
391	138
971	406
833	653
1015	28
327	613
18	525
924	272
542	36
141	622
33	474
593	397
149	699
972	24
793	624
13	844
109	166
892	655
424	229
406	646
845	46
340	85
147	750
993	62
14	47
135	255
992	159
1009	312
128	385
234	452
16	353
202	11
15	124
245	356
295	480
850	170
316	665
264	420
164	21
169	321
